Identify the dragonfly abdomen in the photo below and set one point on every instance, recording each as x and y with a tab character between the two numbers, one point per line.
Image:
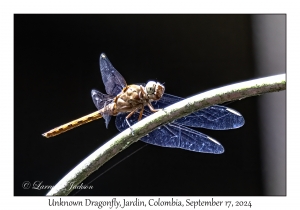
73	124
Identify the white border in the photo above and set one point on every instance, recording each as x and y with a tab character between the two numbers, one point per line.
8	8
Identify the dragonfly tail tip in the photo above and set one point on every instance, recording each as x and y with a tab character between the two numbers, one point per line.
45	135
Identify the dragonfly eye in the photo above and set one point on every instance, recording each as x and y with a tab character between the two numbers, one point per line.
150	87
154	90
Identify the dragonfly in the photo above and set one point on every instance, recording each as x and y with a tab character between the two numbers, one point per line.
141	101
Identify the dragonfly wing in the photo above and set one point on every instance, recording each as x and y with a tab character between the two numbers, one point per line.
214	117
166	100
175	136
107	118
101	100
112	79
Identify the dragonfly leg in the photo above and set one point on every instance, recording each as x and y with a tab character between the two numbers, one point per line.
132	133
152	108
142	94
129	115
141	113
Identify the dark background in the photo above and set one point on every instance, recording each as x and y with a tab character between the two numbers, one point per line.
56	66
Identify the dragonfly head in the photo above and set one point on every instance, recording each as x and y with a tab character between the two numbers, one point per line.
154	90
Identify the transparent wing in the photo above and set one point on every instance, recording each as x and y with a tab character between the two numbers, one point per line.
112	79
102	100
214	117
174	135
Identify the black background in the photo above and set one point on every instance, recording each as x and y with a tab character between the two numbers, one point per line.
56	66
